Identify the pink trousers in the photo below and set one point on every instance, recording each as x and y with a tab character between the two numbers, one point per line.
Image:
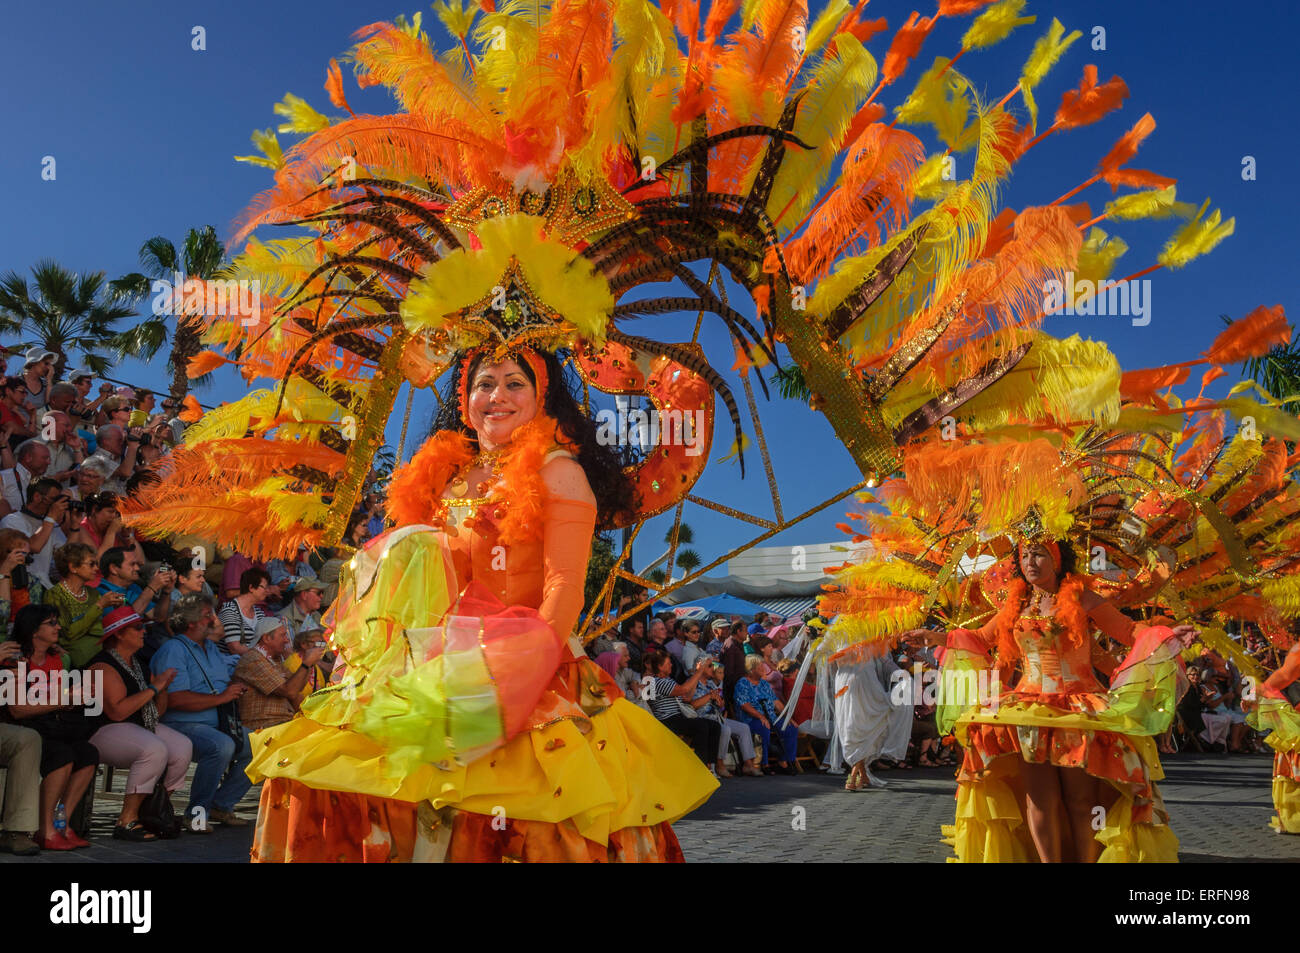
146	753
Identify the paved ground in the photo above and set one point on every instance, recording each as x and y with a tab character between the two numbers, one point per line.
1219	806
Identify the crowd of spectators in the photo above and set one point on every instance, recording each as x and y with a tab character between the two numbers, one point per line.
193	645
715	683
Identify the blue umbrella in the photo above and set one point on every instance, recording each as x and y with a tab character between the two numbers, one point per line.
723	604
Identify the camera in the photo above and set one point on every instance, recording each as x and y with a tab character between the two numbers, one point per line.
21	578
77	506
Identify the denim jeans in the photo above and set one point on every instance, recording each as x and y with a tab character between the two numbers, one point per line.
213	752
789	739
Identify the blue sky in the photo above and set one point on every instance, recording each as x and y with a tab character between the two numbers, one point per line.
143	129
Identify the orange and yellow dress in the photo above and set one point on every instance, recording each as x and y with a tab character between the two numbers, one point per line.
1281	720
464	723
1059	713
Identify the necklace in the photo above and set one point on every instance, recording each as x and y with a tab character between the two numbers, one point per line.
68	590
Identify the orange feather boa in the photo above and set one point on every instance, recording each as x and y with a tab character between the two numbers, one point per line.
415	491
1067	610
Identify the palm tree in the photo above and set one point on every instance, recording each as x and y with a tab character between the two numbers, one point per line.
657	576
203	256
1278	371
64	312
688	560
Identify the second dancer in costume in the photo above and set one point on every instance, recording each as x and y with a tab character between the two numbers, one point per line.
1058	768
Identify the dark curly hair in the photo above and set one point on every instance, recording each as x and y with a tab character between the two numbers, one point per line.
1069	560
616	500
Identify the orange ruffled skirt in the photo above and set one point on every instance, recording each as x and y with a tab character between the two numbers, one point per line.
1281	720
1064	731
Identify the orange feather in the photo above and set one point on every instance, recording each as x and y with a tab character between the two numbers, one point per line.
905	45
1253	336
1090	102
334	87
205	362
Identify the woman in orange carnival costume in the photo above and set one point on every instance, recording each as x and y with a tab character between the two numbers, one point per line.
466	724
1277	715
1058	768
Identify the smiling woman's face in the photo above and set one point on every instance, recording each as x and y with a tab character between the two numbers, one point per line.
501	399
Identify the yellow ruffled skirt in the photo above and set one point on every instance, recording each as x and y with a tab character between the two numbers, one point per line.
989	826
464	738
1282	722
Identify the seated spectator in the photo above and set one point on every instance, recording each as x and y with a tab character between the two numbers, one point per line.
708	703
602	643
759	707
758	626
303	610
633	637
190	579
117	450
615	662
121	574
33	459
68	759
83	408
116	411
287	575
63	397
690	631
20	756
373	509
765	649
67	452
717	633
41	521
201	686
16	420
78	606
236	564
88	480
273	693
101	529
240	615
317	677
664	695
675	639
357	531
37	378
13	553
803	706
130	734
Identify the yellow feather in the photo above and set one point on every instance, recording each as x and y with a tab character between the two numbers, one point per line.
1196	238
941	99
1045	54
995	24
272	156
299	116
1097	257
824	26
1156	203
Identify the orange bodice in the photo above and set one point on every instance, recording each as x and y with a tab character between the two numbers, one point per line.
1051	665
547	574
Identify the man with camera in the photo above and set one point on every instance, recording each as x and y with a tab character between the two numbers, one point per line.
32	460
83	408
67	450
273	693
44	521
119	449
121	570
201	704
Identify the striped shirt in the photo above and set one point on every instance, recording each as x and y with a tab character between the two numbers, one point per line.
662	703
238	627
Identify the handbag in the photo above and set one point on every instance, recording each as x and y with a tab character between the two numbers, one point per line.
157	814
228	722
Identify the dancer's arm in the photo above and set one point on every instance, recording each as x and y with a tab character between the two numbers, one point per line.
570	522
1286	674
